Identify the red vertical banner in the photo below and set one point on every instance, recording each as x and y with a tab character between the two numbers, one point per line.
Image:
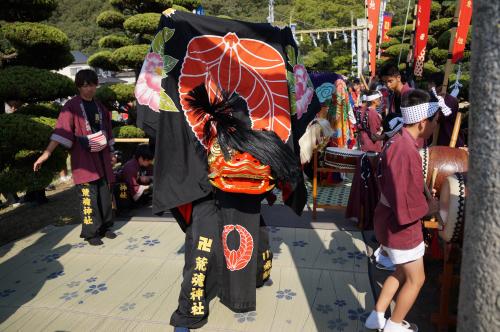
386	26
464	18
373	12
421	35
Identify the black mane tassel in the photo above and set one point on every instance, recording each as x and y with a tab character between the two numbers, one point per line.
233	133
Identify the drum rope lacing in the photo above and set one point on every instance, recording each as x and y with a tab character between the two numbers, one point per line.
457	232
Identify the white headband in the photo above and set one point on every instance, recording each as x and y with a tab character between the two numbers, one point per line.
374	96
417	113
395	124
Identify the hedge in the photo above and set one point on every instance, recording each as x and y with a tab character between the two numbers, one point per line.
389	43
435	10
129	131
109	94
110	19
431	42
32	84
438	55
397	31
26	10
146	23
38	45
437	27
114	41
103	60
22	139
48	110
130	56
394	51
181	8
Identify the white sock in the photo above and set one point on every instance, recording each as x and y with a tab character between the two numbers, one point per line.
390	326
376	320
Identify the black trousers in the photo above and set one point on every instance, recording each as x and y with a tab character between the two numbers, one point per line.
95	208
238	260
202	261
242	247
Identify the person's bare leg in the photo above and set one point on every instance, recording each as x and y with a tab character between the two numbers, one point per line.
389	289
414	275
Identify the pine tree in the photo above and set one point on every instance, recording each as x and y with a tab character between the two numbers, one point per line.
29	50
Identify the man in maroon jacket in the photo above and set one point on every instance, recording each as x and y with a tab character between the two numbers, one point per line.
133	176
401	207
84	127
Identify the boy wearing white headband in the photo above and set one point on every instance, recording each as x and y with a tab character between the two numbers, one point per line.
401	207
371	121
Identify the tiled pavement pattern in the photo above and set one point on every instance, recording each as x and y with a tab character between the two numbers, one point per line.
332	195
52	281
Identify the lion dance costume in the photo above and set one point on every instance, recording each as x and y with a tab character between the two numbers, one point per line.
219	99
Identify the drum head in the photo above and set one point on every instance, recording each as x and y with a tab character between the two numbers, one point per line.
343	152
452	207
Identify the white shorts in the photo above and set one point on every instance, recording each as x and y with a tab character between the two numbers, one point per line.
399	256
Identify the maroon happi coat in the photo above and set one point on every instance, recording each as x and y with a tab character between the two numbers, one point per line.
374	122
86	166
402	203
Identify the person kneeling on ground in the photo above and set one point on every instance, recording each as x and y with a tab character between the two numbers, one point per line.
134	188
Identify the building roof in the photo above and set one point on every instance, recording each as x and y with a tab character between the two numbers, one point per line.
80	58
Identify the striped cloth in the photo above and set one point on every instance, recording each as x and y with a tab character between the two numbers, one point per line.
97	141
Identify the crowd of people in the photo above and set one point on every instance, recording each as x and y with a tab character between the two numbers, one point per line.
392	121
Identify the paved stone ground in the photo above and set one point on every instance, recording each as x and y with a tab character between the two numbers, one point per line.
53	281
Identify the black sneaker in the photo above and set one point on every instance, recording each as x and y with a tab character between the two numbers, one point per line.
94	241
110	234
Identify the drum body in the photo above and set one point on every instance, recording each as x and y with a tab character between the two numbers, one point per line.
452	207
342	159
447	160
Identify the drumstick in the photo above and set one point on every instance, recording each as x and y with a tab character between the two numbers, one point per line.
363	81
456	129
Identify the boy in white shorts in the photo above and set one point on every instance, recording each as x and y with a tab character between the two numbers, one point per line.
402	205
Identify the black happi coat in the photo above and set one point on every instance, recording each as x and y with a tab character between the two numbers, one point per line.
252	59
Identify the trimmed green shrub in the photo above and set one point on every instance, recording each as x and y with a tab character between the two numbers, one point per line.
435	10
128	132
342	62
110	19
22	139
103	60
438	55
32	84
449	11
397	31
146	23
114	41
109	94
130	56
26	10
180	8
38	45
431	42
437	27
48	110
430	68
444	40
389	43
394	51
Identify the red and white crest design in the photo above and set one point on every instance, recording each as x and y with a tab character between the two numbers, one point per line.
249	67
237	259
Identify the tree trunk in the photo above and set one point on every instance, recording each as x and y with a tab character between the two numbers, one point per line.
479	302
